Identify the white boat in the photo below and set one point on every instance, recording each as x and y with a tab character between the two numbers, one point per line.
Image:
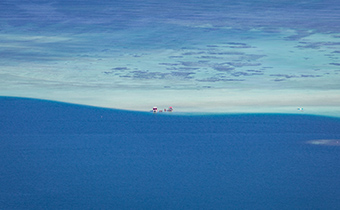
155	109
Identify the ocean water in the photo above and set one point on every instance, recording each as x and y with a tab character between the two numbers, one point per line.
227	56
64	156
234	71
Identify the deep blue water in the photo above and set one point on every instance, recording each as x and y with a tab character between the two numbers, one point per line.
61	156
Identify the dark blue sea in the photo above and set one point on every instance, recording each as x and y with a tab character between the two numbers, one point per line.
62	156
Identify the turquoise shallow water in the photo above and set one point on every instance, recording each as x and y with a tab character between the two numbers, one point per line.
225	56
64	156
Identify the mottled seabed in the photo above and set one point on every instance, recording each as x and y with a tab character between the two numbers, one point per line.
202	56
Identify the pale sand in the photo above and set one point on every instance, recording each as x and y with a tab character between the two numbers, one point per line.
199	101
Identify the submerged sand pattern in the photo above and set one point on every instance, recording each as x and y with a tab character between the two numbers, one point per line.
325	142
